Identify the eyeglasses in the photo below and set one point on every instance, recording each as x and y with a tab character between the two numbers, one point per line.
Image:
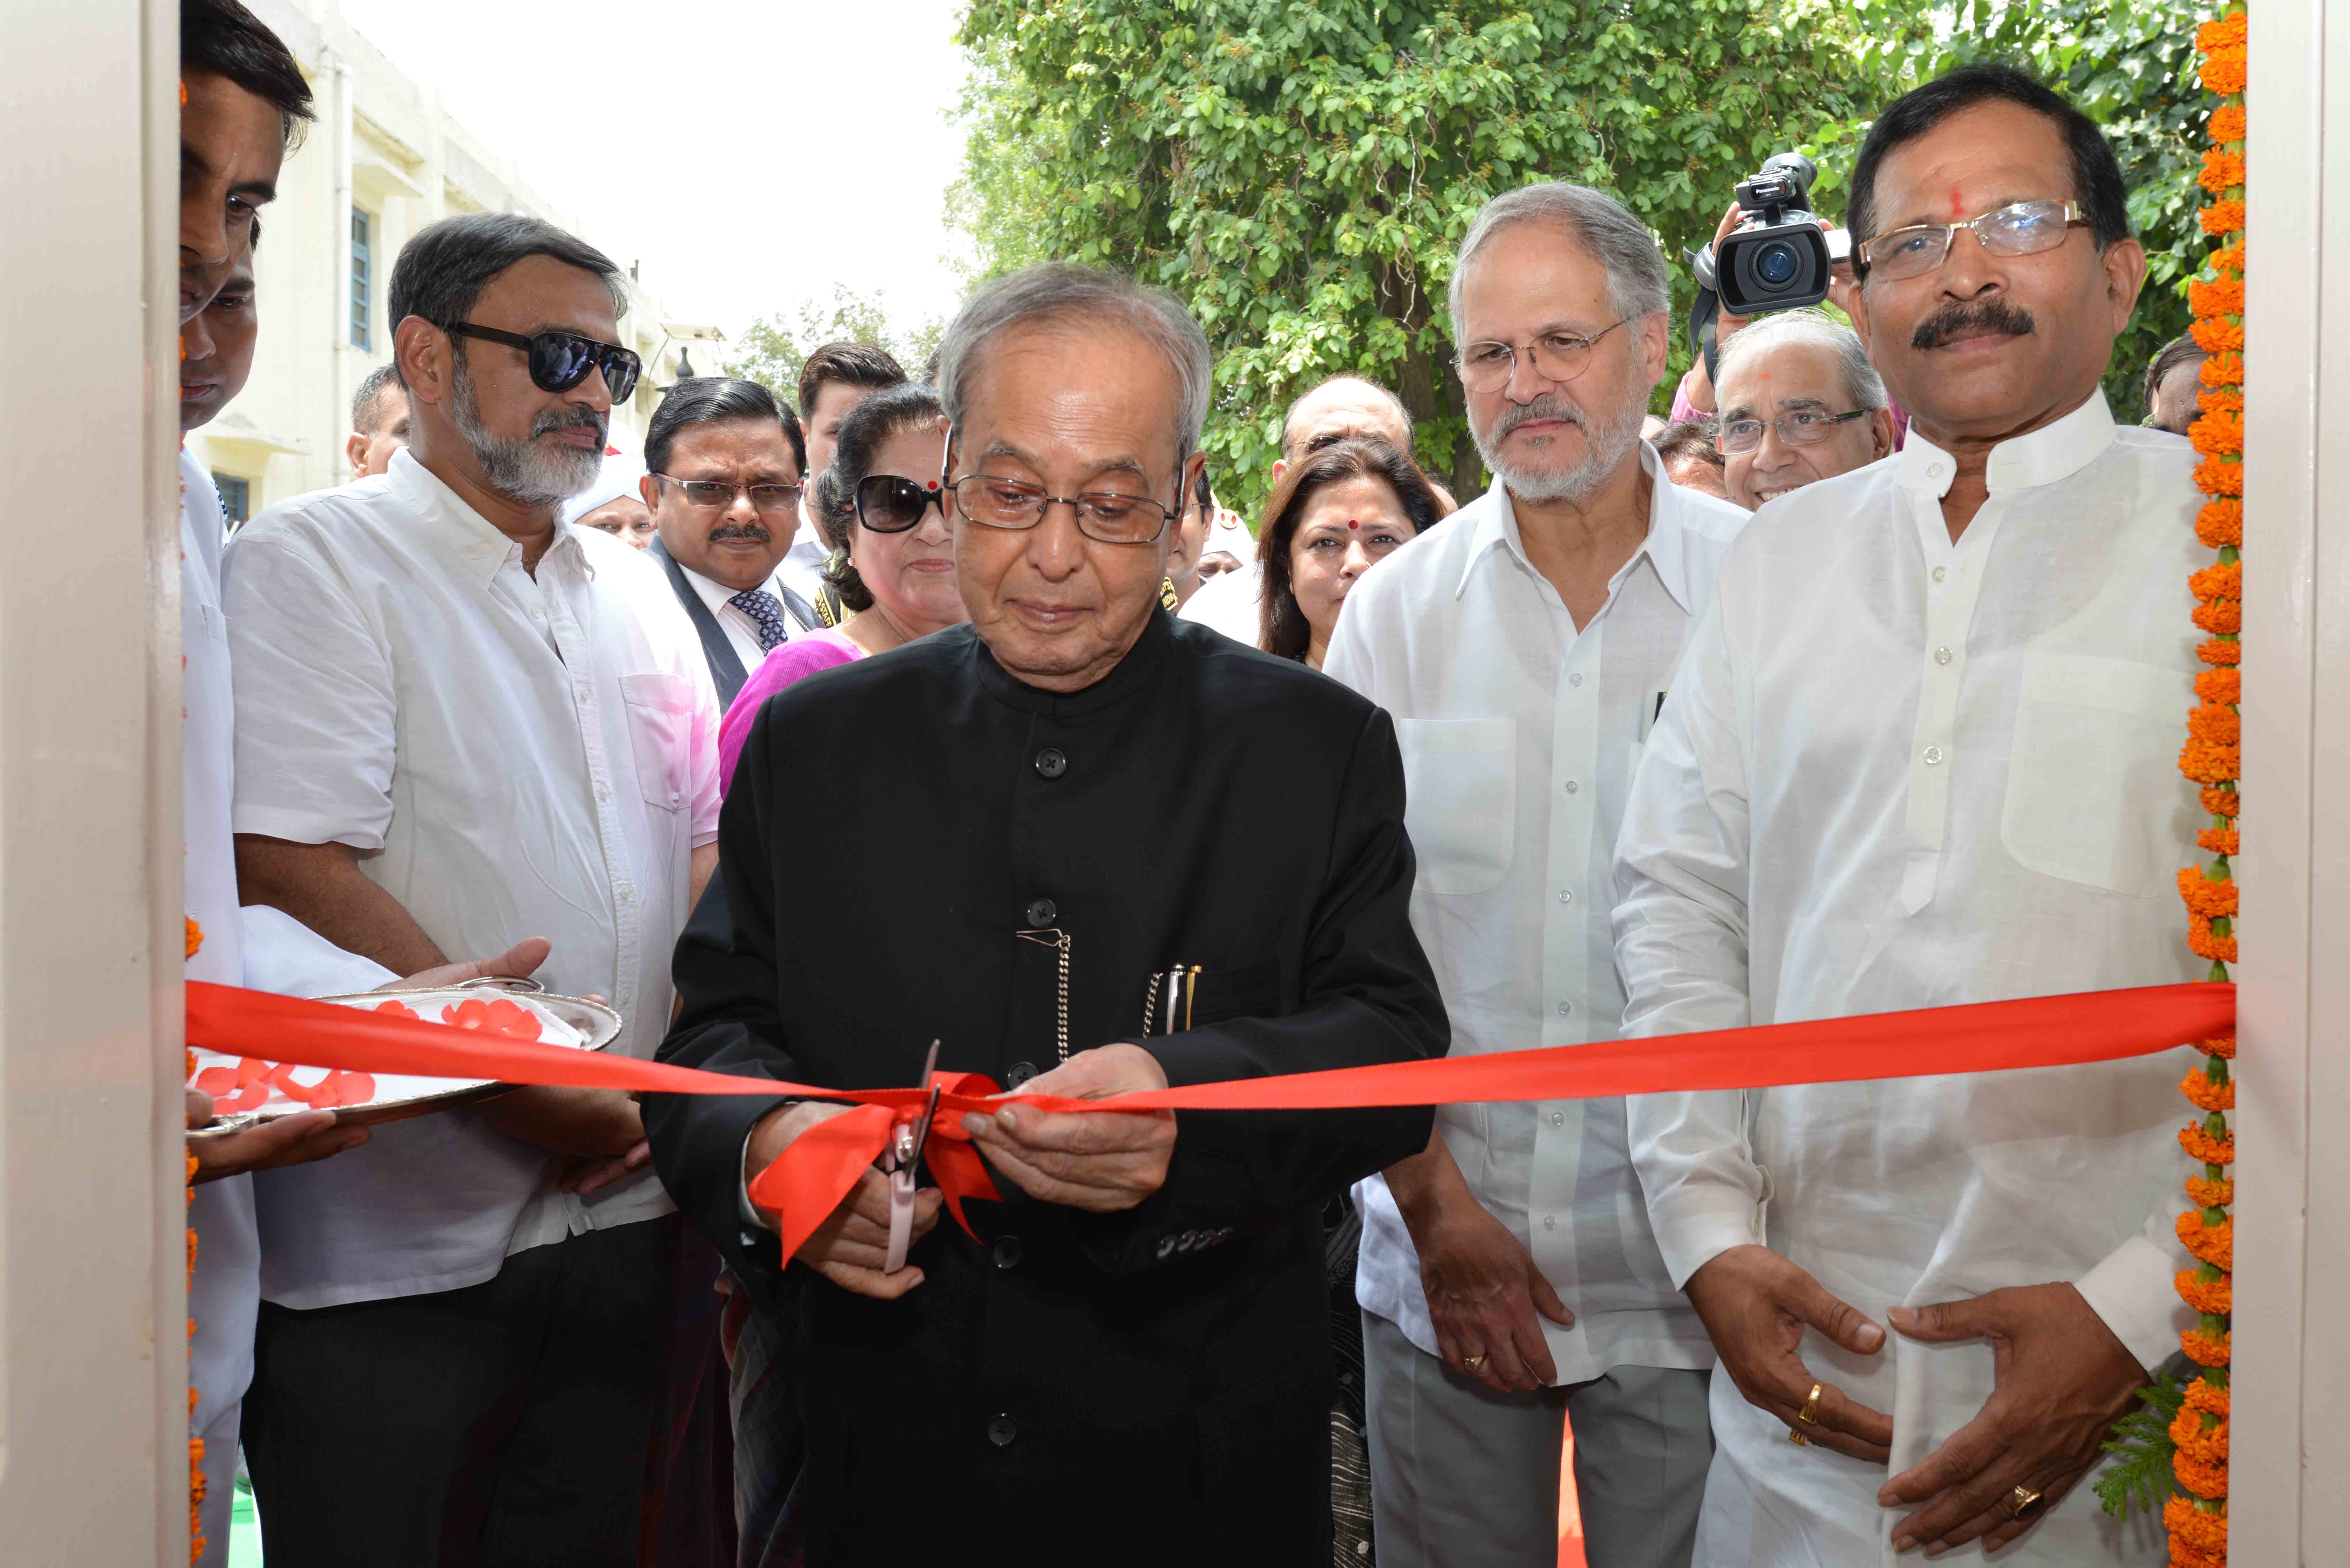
711	494
2019	229
1555	357
892	504
561	360
1805	428
1103	514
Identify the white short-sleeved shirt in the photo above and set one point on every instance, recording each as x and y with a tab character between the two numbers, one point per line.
1519	735
512	755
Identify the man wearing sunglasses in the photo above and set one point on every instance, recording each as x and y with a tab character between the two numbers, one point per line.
456	717
1922	752
1046	848
723	462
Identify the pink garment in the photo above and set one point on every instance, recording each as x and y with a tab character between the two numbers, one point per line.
785	663
1685	410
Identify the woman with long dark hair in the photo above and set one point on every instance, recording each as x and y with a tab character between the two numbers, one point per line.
1331	519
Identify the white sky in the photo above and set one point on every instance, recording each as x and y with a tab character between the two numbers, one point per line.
750	152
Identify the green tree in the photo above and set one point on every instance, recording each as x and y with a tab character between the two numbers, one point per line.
1301	175
772	349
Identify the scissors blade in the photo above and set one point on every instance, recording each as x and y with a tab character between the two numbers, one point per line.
930	1106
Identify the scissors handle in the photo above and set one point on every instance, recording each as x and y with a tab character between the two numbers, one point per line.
902	1218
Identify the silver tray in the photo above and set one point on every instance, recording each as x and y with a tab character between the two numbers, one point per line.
597	1022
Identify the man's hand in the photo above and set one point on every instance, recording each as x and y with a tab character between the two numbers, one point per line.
577	1124
1484	1289
296	1139
2060	1380
1755	1304
517	963
1102	1163
851	1246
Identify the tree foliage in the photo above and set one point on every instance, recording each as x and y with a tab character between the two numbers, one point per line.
772	349
1300	176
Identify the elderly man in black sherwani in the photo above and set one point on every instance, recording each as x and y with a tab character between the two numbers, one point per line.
1094	851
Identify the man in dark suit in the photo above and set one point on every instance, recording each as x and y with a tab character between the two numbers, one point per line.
1040	847
725	461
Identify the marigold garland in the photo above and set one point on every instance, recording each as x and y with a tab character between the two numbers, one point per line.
2197	1519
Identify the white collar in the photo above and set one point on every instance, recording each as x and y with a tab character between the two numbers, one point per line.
716	594
2058	449
1666	544
475	541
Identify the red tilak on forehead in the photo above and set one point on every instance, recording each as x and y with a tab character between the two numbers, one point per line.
1352	524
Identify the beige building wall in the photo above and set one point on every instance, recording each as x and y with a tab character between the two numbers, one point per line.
383	150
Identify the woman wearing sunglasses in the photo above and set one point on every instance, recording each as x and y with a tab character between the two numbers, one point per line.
880	508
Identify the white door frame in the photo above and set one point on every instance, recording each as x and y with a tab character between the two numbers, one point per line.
2290	1463
93	1346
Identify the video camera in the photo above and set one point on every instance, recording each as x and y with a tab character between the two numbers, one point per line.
1777	258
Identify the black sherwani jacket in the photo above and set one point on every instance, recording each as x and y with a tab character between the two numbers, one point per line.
1137	1388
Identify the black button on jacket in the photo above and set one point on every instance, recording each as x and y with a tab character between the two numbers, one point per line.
1157	1382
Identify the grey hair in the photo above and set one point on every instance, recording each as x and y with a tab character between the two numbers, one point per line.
1053	293
1862	385
1638	284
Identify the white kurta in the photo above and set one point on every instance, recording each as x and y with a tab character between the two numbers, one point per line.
260	948
512	755
1899	773
1519	735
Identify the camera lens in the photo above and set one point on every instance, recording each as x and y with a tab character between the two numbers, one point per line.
1775	264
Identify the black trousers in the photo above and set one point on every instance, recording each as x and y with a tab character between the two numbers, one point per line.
505	1425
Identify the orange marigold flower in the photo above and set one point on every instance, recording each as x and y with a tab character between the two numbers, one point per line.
2215	1244
2220	296
2215	725
2223	370
2225	616
2223	217
2221	523
2206	1480
2204	1534
2215	477
2185	1557
2222	170
2229	31
2224	72
2205	1095
2210	1194
2216	1297
2204	945
2205	1350
2205	1445
2216	435
2205	1149
2206	763
2227	122
2224	581
2216	335
2218	840
2223	651
2214	898
2219	686
2222	803
2224	1047
195	935
2228	401
2202	1394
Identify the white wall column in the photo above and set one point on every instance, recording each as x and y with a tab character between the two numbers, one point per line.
2289	1480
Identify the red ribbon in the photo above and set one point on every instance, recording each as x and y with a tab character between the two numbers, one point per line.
820	1166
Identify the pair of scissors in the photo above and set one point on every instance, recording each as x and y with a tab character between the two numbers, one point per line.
900	1158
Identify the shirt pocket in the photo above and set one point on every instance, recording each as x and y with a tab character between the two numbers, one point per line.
660	734
1460	808
2093	790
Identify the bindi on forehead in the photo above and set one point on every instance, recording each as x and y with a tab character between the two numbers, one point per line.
1958	208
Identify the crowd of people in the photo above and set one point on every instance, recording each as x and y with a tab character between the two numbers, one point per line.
952	708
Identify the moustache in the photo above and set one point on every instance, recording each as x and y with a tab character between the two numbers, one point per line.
1549	406
1956	320
751	531
573	417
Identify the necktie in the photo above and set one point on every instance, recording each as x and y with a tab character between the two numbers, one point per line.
764	609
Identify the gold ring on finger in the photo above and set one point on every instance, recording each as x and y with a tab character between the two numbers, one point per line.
2026	1502
1810	1413
1470	1362
1795	1436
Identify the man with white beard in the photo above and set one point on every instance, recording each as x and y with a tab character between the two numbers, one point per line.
456	717
1523	650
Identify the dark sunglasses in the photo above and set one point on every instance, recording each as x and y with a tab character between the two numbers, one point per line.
891	504
561	360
